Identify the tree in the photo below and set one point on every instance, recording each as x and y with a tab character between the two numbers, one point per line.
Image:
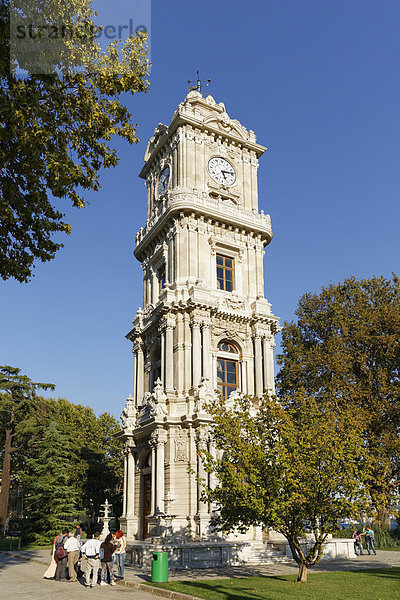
18	402
97	474
345	349
56	127
50	500
289	468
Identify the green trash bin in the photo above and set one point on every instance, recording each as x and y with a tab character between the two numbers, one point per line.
159	567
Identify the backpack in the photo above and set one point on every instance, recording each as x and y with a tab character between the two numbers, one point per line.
59	546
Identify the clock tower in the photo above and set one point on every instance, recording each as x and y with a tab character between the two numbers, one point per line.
205	325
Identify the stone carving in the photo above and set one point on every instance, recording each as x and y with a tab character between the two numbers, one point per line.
148	309
155	404
129	414
159	131
180	450
159	400
204	394
235	303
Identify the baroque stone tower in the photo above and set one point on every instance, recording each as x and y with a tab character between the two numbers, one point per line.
205	323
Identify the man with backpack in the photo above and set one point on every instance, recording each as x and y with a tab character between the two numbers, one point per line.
61	555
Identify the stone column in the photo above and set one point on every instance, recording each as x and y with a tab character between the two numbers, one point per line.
160	439
163	357
125	481
135	372
213	477
271	380
153	476
206	350
196	353
258	365
201	472
140	375
148	286
130	485
188	353
154	286
144	285
169	358
214	372
265	362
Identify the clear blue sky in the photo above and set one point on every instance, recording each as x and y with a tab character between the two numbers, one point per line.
318	81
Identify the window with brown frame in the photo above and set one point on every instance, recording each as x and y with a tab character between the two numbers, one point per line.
225	273
227	370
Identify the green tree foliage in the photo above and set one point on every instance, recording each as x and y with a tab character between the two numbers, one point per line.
91	457
98	474
20	412
288	468
50	501
345	349
56	129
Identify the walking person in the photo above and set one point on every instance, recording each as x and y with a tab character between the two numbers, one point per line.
358	549
91	551
120	552
107	550
369	540
73	547
61	555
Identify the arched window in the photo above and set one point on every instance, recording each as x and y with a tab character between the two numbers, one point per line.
227	368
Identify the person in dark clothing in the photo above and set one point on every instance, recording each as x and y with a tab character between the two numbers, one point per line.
107	550
61	555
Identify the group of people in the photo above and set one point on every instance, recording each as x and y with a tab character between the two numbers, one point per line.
93	559
369	538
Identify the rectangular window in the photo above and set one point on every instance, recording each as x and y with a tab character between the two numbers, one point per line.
225	273
227	376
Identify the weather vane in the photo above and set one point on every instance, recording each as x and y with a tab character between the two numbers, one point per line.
197	85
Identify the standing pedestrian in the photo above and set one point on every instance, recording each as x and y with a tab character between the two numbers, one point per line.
107	550
78	532
358	549
120	552
73	547
61	555
91	551
51	569
369	540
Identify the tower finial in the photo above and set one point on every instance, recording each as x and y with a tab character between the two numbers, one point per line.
197	85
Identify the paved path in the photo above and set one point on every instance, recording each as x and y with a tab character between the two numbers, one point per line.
21	579
383	559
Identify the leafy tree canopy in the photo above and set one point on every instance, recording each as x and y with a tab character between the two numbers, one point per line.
56	127
344	349
293	469
50	501
20	411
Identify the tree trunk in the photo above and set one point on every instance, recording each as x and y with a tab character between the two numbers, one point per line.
302	574
5	480
383	515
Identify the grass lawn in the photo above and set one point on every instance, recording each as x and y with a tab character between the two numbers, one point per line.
374	584
5	545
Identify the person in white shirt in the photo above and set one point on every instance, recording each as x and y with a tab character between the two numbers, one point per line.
73	547
91	550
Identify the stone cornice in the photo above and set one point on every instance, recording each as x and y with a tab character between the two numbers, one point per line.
216	209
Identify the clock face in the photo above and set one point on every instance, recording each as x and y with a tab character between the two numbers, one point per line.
221	171
163	181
